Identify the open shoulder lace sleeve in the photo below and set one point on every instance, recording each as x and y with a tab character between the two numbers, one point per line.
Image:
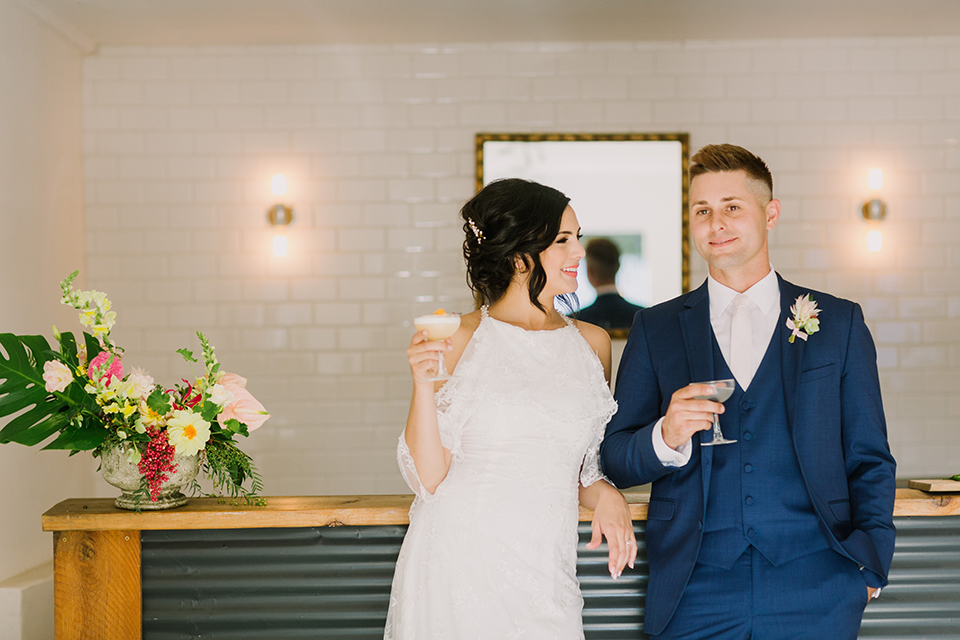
591	471
606	406
456	402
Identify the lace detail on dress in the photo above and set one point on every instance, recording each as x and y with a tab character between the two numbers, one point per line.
591	470
507	350
456	401
523	415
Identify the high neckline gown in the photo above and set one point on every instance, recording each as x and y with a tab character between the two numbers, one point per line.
491	554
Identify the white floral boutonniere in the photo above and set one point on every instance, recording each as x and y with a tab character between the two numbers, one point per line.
804	322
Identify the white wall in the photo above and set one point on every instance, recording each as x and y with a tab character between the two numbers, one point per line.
42	226
377	142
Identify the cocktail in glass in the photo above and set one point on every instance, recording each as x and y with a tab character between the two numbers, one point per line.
722	390
439	326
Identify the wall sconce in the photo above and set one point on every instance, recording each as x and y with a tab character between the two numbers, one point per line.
874	210
279	215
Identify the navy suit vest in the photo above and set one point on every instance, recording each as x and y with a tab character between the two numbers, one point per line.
757	494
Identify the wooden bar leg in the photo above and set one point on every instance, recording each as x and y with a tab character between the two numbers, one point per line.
96	585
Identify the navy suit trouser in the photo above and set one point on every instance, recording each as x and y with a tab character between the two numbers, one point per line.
818	596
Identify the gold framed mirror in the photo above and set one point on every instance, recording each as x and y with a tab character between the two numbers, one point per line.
631	188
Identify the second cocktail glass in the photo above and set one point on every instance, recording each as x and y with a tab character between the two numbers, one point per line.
722	390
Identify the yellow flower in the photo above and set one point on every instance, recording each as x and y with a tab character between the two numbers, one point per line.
129	410
188	432
113	407
149	417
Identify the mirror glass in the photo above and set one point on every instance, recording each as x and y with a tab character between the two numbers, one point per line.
630	188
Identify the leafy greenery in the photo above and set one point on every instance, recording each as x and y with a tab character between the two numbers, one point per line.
229	468
38	414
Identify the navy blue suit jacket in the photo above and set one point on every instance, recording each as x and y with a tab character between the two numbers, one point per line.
835	416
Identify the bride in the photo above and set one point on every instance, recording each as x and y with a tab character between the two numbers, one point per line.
502	454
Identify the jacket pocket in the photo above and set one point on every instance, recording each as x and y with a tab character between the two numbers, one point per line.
661	509
819	372
841	510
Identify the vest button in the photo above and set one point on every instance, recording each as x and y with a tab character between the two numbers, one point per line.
747	435
751	533
748	468
746	406
749	500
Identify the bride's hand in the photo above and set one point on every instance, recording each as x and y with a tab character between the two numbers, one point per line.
423	358
611	519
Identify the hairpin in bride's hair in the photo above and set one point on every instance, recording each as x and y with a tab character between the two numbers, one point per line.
476	230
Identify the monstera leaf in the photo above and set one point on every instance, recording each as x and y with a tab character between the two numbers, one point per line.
37	413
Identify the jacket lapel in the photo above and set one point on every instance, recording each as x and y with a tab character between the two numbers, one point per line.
698	342
698	335
791	354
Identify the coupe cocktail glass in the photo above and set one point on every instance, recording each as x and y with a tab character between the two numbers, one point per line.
722	390
438	327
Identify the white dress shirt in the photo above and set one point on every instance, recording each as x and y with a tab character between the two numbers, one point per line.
764	313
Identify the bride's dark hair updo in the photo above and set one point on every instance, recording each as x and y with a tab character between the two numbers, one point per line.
509	219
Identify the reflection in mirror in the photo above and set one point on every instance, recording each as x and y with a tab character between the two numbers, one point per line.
630	188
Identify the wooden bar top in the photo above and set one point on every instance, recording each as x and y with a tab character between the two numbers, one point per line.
99	514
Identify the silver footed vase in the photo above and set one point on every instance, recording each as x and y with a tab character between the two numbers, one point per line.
116	468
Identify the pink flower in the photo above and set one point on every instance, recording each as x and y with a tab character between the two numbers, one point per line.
233	378
56	375
244	407
98	368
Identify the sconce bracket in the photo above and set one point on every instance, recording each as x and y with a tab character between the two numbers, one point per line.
280	214
874	210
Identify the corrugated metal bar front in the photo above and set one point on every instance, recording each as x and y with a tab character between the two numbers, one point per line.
923	598
328	582
335	583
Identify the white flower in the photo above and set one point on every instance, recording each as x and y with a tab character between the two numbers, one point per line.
219	395
56	375
804	322
140	384
188	432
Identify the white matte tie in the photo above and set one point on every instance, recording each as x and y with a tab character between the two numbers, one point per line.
741	342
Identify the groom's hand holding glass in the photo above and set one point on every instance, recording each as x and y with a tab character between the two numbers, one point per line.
687	415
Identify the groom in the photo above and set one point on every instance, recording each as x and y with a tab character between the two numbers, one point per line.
788	532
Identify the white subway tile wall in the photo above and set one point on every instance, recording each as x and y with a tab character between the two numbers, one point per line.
377	145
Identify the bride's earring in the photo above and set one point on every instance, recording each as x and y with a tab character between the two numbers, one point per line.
520	266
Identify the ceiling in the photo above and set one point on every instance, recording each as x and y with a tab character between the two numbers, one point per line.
92	23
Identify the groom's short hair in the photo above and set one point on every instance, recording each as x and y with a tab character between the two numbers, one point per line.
715	158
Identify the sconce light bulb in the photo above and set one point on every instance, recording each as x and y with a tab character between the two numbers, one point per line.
874	241
278	184
875	178
280	245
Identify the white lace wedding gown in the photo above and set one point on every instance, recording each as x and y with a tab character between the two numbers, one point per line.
491	555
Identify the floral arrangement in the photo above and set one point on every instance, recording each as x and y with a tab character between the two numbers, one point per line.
81	393
804	322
